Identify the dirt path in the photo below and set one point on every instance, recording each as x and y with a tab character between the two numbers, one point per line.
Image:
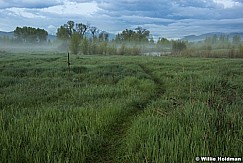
109	151
160	85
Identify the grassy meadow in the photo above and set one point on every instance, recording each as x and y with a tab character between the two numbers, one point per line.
119	108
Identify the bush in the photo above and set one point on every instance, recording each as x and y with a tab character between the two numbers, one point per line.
112	50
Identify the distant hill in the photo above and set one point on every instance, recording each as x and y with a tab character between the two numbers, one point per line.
7	34
194	38
51	37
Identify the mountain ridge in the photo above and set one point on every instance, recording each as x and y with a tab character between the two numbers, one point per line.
197	38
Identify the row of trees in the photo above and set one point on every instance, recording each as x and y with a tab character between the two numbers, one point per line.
179	46
217	46
70	29
221	42
86	39
79	36
139	34
30	35
222	39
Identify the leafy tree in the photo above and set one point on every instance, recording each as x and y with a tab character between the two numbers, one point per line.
139	35
65	31
42	35
128	35
163	41
73	34
70	27
62	33
142	34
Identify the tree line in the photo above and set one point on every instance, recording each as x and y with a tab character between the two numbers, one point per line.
30	35
26	35
86	39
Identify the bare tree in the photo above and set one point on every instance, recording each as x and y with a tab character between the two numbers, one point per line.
93	30
81	29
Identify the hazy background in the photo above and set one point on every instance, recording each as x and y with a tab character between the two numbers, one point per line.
164	18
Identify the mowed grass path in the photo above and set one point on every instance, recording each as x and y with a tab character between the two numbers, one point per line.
119	108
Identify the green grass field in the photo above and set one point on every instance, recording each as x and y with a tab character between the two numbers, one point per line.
119	108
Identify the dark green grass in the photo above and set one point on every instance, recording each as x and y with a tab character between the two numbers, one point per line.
119	108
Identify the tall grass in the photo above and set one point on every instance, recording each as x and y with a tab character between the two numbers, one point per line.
49	115
188	107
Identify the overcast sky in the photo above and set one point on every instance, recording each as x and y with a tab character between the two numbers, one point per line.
164	18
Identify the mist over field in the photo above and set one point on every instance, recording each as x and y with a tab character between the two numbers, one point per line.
11	48
84	39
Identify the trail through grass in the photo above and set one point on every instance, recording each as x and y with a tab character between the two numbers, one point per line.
110	150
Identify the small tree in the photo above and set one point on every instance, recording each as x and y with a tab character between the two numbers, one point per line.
236	40
178	46
93	30
122	50
74	43
93	47
103	47
85	46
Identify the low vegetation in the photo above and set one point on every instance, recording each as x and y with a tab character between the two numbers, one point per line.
119	109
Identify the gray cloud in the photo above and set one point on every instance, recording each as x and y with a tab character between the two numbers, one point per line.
28	3
170	18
